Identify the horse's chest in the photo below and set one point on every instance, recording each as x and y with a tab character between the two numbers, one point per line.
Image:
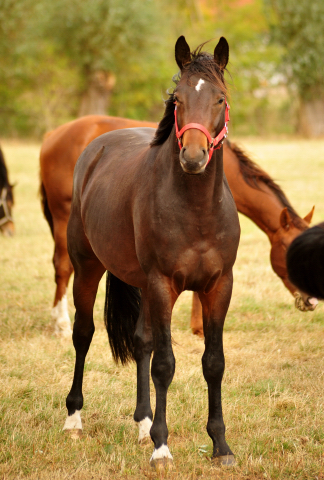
191	257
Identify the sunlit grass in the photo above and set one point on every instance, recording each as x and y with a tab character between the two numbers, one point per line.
273	383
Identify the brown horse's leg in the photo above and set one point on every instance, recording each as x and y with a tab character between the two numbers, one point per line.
215	306
161	302
63	270
142	352
85	287
196	322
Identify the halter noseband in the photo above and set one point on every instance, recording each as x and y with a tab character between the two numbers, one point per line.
4	209
214	143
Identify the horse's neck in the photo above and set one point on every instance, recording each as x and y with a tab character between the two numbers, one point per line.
262	206
201	192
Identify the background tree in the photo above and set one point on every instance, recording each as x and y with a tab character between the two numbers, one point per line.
66	58
104	40
299	27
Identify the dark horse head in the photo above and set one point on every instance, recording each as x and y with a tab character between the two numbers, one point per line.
305	261
196	106
6	200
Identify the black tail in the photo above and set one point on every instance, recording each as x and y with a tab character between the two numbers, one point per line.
45	207
122	308
305	261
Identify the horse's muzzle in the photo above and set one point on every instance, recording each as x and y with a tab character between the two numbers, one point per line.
193	162
304	302
8	229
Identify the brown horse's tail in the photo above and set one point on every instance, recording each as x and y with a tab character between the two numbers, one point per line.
122	308
45	207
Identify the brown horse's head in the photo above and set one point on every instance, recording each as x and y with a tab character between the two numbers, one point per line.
200	99
289	229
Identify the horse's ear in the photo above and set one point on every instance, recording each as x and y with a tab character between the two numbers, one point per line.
182	52
309	217
221	53
285	219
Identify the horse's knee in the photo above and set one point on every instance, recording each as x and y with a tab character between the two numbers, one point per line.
213	366
163	367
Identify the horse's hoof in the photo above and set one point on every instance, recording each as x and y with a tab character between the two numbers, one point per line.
75	433
225	460
162	464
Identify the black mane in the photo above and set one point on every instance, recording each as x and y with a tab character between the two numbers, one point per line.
202	63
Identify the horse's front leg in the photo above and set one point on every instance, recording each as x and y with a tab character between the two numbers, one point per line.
161	300
215	306
143	347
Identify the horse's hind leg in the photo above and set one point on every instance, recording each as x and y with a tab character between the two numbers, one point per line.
143	347
196	322
215	305
63	270
87	276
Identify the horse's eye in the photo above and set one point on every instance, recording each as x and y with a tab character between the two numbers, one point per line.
221	100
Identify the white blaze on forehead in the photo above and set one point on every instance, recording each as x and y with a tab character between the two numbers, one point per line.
199	84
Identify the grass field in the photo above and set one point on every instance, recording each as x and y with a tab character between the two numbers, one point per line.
273	383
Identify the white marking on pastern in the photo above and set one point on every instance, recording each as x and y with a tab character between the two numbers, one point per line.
161	452
144	427
73	421
60	315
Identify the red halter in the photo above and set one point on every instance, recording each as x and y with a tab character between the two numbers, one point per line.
214	143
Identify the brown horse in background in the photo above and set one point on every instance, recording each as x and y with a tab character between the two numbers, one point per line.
7	226
255	193
154	209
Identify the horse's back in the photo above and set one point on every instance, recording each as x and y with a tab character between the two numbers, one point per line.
62	147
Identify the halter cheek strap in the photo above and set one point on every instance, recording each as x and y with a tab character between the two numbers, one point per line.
213	143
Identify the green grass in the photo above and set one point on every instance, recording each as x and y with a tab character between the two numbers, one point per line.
273	382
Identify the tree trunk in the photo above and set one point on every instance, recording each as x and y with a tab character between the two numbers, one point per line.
95	99
311	118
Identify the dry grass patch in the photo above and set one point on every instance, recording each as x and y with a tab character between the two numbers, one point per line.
273	383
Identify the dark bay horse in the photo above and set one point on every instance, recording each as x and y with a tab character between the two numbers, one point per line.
255	193
156	211
7	226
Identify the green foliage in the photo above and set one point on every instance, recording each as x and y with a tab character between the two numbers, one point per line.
101	34
49	51
299	28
